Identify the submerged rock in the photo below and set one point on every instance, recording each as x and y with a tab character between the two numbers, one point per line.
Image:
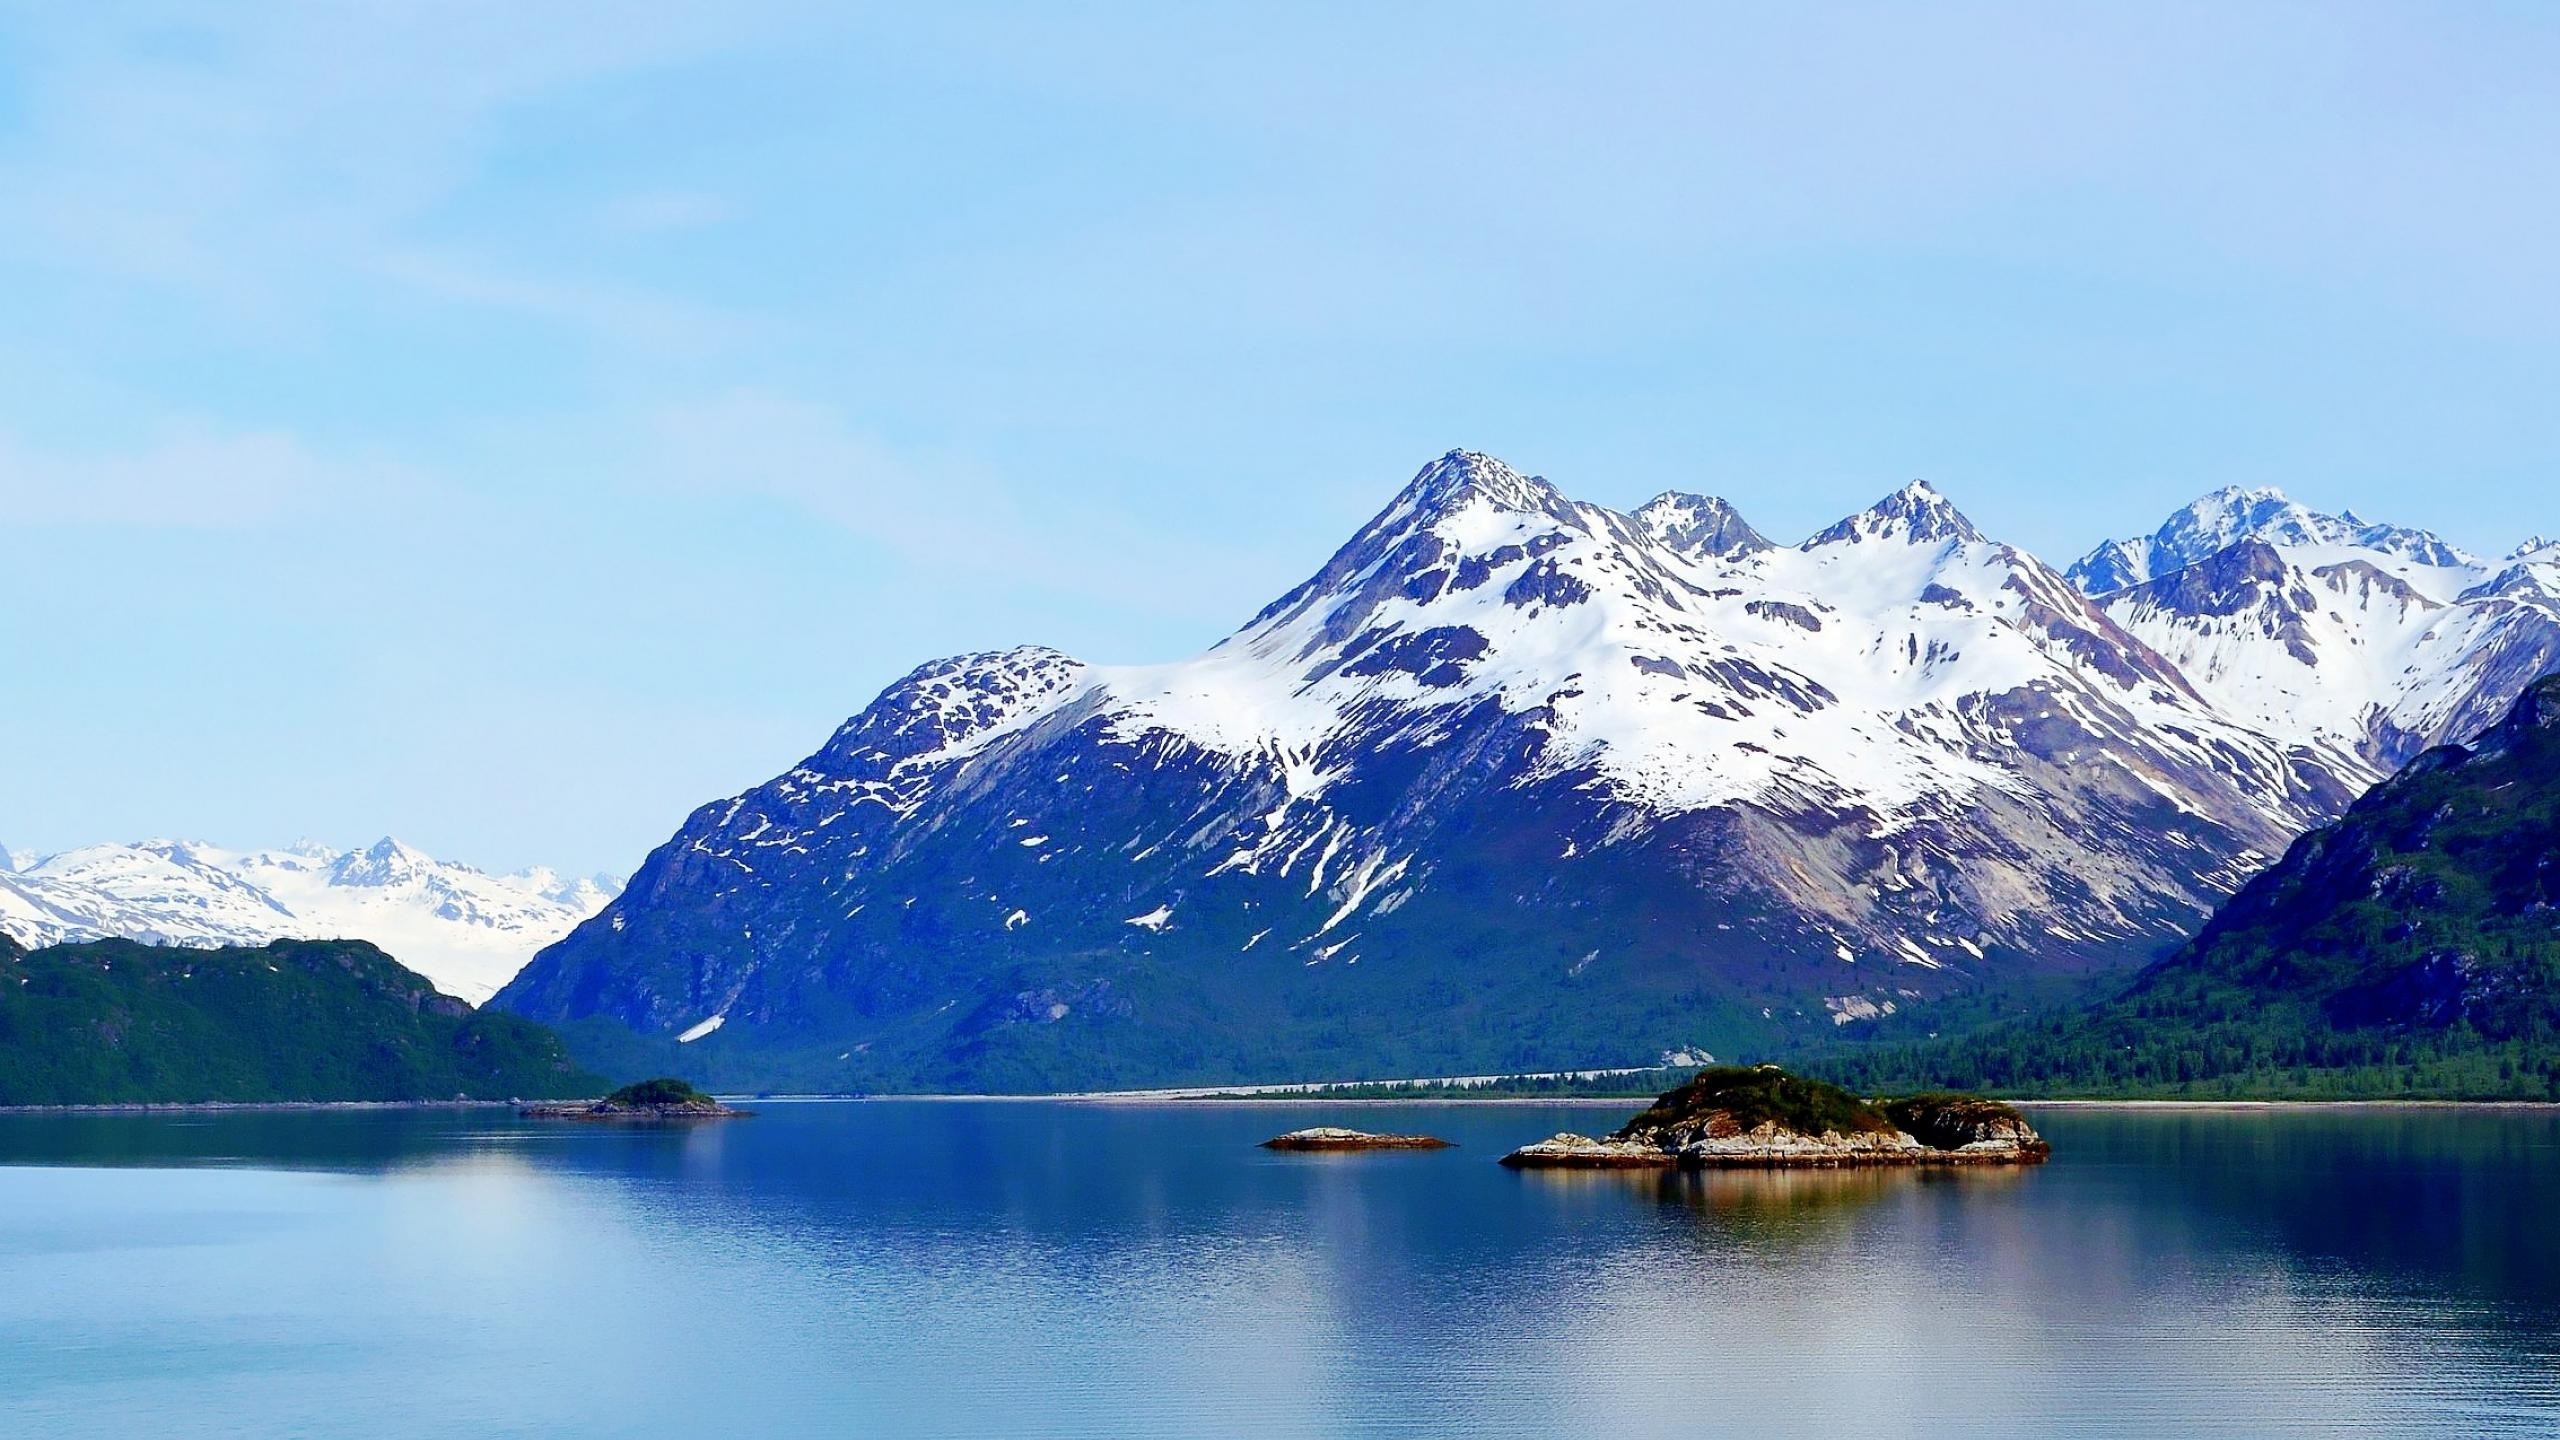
1760	1116
1330	1137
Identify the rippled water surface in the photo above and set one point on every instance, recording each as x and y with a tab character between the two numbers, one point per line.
963	1268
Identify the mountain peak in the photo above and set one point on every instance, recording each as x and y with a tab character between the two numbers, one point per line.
2227	516
1916	514
1698	525
384	862
1447	485
1416	530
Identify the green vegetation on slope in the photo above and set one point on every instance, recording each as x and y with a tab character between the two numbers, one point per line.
114	1021
2411	950
1755	1095
665	1090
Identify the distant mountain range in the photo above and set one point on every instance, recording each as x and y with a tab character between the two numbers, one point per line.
1520	782
465	929
2333	631
2410	948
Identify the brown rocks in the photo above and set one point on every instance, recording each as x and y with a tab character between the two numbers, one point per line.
1329	1137
1736	1117
705	1109
1568	1151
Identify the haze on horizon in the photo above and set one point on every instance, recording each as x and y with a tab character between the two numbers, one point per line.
509	427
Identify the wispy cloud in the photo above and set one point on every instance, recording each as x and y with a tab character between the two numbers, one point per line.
194	478
190	481
943	512
277	162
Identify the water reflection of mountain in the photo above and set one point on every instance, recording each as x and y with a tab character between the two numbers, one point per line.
957	1268
2438	1195
349	1139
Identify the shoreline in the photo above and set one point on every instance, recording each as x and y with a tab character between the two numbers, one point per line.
217	1107
1238	1096
1262	1097
2286	1104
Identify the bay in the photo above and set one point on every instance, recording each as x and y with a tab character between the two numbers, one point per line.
947	1268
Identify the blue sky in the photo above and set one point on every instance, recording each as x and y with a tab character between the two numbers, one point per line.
509	425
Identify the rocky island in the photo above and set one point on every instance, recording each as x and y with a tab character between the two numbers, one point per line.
664	1098
1746	1117
1331	1137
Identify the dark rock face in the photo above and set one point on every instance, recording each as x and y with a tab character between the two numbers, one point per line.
1437	657
1792	614
2225	583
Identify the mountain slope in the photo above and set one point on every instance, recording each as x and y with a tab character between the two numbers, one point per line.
464	929
2333	631
114	1021
1512	782
2411	948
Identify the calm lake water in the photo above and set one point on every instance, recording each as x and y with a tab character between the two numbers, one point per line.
922	1268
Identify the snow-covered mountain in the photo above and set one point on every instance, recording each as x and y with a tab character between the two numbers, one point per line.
1513	781
2229	515
464	929
2333	631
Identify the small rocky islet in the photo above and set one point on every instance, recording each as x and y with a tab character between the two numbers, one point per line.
665	1098
1761	1117
1335	1138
